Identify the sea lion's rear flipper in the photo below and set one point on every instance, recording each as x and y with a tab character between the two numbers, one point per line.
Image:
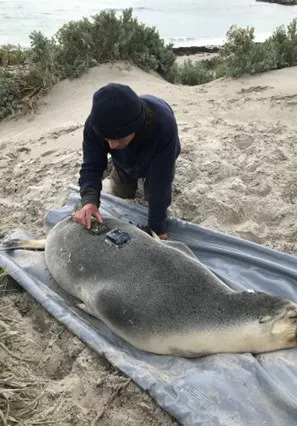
17	244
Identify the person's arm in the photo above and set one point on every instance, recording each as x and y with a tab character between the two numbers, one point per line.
93	166
160	177
91	172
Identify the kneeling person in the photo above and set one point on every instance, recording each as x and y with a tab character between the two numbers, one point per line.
141	135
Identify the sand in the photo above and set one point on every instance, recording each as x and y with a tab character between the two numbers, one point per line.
236	174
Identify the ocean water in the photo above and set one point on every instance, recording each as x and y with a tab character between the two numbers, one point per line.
182	22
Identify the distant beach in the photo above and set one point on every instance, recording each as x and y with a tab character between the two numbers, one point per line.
183	23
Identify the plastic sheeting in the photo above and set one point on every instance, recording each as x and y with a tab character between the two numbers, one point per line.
223	389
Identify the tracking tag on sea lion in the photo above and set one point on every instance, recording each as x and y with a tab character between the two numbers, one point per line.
98	229
117	238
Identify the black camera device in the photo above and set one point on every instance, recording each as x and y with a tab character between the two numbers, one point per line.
114	237
117	238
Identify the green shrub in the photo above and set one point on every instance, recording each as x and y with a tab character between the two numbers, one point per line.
194	73
11	55
284	44
241	55
42	57
74	48
83	44
144	45
78	45
11	92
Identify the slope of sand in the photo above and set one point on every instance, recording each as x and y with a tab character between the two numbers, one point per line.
236	173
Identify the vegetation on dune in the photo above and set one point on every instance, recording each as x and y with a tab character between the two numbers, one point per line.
76	47
26	74
242	55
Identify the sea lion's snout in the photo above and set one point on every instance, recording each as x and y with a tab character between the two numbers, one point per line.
286	324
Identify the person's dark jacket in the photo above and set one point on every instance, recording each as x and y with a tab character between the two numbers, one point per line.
151	154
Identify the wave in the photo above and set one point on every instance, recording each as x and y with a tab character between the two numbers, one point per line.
208	41
192	41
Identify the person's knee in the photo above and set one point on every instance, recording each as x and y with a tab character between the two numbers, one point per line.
123	191
122	186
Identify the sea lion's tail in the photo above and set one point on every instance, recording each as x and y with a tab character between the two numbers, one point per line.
17	244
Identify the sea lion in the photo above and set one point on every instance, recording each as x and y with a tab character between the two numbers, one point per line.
158	297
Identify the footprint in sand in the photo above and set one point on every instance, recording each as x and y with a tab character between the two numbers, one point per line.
254	89
45	154
243	141
185	129
24	149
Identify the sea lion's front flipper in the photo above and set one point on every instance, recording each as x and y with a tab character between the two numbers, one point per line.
84	308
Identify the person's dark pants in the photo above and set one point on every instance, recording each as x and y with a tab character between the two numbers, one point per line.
124	186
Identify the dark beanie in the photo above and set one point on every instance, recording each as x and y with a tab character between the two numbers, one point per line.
116	111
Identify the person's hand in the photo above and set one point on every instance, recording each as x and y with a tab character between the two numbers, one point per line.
163	236
85	214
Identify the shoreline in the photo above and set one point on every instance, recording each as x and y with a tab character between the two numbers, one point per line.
194	50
